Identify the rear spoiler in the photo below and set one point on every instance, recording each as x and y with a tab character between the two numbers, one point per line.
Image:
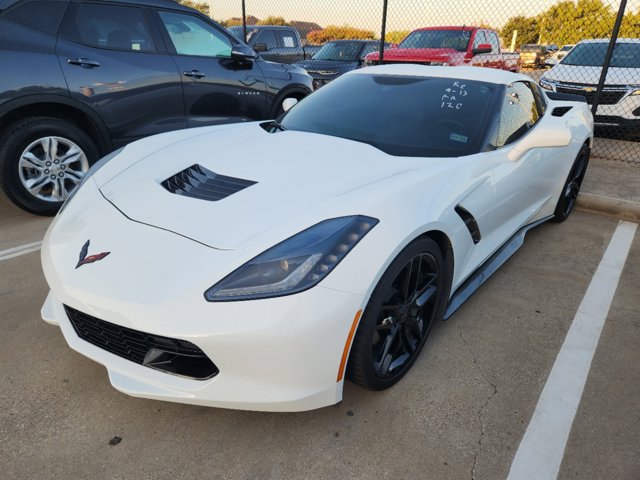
566	97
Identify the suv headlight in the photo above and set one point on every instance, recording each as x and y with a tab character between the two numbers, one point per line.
296	264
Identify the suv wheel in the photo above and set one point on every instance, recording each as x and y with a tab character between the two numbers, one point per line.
42	160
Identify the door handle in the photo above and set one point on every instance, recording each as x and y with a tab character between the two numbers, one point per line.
83	62
194	74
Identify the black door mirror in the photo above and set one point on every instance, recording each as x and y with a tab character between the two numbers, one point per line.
243	53
260	47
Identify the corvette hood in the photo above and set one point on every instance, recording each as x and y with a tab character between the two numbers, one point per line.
293	172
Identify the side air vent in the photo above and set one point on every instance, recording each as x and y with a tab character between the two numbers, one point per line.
470	223
198	182
560	111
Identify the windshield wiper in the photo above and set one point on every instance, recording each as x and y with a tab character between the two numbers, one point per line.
276	126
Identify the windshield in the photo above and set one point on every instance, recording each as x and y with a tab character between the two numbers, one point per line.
456	39
625	55
566	48
338	51
237	32
400	115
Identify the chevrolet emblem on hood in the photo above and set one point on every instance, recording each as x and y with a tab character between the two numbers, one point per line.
83	260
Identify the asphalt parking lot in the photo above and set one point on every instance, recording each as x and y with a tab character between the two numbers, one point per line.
460	413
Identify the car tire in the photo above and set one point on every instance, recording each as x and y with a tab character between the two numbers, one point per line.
47	154
571	187
404	329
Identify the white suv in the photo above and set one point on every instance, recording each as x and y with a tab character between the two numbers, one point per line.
579	73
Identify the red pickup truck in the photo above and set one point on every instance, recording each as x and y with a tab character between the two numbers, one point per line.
450	46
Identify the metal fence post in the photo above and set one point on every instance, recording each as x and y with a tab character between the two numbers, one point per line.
383	31
244	22
607	58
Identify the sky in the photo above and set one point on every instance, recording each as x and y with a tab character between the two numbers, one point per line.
401	15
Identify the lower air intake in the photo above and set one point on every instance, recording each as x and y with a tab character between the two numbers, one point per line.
170	355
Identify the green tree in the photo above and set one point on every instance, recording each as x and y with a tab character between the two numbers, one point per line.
396	36
527	27
271	20
333	32
200	6
630	27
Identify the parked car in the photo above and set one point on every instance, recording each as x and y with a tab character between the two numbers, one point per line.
275	43
336	58
579	73
474	46
82	78
559	55
533	56
276	259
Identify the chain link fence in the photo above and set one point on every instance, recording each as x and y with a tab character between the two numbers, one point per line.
589	48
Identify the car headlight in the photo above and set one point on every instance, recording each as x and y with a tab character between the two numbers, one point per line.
94	168
296	264
546	84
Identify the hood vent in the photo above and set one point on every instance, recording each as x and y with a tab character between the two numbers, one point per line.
198	182
560	111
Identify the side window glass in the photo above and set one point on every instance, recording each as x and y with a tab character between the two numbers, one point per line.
478	39
192	36
518	115
541	98
369	49
287	39
40	15
268	37
493	40
107	26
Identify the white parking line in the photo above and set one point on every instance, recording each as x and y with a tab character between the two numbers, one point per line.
540	453
21	250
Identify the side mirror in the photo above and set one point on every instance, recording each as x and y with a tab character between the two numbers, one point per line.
260	47
288	103
541	137
482	48
243	53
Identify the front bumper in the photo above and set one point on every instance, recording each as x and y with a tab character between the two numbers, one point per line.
279	354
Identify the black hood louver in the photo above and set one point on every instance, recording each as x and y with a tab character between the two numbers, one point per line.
198	182
560	111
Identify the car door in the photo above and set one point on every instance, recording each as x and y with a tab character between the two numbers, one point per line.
115	62
217	89
288	46
523	186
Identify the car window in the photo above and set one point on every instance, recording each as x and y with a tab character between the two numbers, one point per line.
401	115
268	37
192	36
107	26
518	115
369	48
492	39
287	39
625	55
47	20
479	39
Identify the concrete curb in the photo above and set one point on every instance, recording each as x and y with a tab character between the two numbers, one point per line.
623	209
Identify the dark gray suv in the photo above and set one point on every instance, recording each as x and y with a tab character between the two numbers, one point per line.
81	78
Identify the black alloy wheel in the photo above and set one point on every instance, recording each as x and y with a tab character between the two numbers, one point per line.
409	298
571	187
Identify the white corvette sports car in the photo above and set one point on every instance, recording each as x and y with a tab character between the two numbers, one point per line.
258	265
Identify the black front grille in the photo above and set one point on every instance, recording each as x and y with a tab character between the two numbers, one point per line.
198	182
609	96
178	356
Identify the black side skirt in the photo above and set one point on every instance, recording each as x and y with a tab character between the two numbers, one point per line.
488	268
